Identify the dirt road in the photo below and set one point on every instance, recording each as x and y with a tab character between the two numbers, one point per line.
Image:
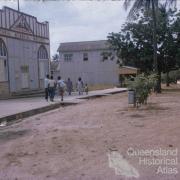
98	139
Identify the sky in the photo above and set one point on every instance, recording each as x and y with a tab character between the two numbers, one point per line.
75	20
71	21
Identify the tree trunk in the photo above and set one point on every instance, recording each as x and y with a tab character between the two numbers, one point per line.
155	62
159	81
121	80
167	78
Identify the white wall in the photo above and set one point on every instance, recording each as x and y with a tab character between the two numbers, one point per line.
94	71
22	44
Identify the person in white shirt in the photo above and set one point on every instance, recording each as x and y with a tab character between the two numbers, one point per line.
61	85
46	87
52	85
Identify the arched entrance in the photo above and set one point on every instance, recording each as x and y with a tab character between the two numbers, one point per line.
4	86
43	65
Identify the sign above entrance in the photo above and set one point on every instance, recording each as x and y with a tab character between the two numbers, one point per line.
23	36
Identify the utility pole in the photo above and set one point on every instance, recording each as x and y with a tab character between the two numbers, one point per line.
18	5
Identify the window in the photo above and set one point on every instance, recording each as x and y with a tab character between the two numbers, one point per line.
41	69
105	56
2	49
24	76
3	63
42	53
68	57
85	56
2	71
42	56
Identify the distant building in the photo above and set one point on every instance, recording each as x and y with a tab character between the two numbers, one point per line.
127	72
24	52
89	60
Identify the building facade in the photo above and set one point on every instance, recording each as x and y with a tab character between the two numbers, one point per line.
89	60
24	52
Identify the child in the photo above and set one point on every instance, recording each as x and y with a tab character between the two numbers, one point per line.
86	89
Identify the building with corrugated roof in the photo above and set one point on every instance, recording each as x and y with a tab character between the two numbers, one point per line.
90	60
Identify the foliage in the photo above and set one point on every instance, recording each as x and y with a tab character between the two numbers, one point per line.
152	6
173	77
107	55
55	57
134	44
138	5
142	85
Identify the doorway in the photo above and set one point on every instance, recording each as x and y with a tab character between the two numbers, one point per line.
25	77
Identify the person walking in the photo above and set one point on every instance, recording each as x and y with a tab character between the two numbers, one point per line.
69	86
86	89
46	86
52	85
80	86
61	85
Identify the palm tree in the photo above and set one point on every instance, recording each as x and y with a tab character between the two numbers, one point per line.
152	5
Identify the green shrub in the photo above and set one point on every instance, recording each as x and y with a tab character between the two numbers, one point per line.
173	76
142	85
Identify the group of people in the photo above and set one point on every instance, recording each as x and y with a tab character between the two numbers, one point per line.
61	86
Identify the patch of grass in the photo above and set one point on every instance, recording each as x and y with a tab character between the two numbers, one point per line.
139	125
10	135
137	116
170	90
155	107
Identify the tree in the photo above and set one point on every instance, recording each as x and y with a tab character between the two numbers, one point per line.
167	40
176	27
149	5
134	44
55	57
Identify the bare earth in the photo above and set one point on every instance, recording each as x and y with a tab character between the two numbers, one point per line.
79	142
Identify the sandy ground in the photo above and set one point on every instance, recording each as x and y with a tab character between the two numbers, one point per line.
14	106
94	140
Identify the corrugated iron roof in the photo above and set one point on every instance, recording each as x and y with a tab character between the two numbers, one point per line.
83	46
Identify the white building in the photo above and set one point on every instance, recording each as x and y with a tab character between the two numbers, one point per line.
24	52
89	60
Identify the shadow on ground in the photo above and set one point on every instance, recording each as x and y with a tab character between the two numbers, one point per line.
12	135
